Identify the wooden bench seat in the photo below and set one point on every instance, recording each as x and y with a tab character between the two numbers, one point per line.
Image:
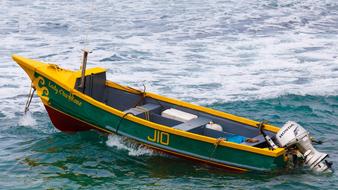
142	109
192	124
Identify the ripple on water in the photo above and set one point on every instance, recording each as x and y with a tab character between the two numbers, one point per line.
259	59
2	115
85	160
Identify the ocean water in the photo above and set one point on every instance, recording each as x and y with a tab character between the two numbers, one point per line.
263	59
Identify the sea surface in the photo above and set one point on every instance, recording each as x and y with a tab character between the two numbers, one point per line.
261	59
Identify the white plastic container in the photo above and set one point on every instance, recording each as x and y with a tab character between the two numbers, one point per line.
214	126
178	115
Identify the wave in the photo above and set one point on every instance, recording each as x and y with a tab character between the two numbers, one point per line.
27	120
133	149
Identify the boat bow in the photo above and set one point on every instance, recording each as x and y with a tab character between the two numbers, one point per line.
28	65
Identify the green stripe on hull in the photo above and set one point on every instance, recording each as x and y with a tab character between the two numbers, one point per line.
62	100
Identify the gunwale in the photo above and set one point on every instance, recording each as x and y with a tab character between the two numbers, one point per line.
47	70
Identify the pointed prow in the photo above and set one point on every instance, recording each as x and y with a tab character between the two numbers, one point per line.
28	65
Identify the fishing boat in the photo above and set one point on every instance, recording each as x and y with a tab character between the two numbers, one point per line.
83	99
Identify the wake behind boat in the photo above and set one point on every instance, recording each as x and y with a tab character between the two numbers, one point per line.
84	100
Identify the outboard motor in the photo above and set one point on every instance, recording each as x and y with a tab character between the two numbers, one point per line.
292	134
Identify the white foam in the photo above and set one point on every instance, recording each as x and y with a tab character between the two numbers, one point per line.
123	144
27	120
198	52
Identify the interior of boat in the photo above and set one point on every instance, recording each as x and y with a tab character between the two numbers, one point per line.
153	110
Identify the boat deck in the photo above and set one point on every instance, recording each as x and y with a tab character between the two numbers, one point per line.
150	109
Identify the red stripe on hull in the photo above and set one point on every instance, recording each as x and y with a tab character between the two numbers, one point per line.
66	123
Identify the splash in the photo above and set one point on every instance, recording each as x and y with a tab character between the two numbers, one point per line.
27	120
122	144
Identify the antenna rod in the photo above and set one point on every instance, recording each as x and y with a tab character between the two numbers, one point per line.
83	67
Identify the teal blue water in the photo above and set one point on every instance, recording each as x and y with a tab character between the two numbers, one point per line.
261	59
40	157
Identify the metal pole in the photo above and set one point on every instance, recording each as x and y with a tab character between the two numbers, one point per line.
83	67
